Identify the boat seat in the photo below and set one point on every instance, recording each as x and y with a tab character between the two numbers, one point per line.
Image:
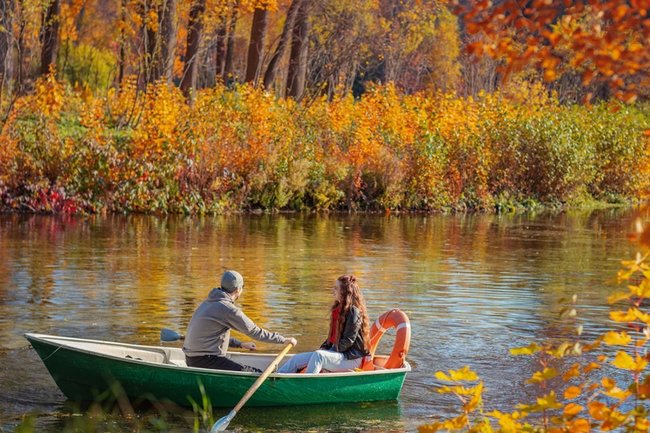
161	356
133	357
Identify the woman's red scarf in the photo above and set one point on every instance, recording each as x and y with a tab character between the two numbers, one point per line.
334	326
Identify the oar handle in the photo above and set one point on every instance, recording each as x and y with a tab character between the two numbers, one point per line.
262	377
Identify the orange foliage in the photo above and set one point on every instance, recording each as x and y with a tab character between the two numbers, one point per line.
608	40
242	148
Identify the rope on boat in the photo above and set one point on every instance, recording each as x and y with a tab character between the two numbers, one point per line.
51	354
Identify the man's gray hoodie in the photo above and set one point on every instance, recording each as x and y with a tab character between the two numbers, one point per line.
209	329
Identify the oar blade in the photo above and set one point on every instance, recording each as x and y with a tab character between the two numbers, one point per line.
222	424
169	335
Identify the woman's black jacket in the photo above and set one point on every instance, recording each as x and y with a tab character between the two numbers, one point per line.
350	342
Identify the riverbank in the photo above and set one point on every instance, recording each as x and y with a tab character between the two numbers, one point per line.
241	150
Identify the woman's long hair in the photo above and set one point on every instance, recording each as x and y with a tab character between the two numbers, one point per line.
351	296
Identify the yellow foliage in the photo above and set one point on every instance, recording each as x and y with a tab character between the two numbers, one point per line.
642	290
626	362
542	376
465	374
570	416
528	350
509	423
608	383
641	424
48	97
546	402
618	393
623	316
453	424
476	399
613	338
616	297
458	390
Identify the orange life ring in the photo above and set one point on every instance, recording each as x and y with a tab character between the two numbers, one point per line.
392	319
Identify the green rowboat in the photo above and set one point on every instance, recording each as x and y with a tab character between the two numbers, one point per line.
85	370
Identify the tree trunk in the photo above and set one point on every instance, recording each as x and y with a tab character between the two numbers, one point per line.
256	46
50	35
299	51
272	69
195	27
150	60
168	32
20	47
79	20
228	68
6	42
220	55
122	58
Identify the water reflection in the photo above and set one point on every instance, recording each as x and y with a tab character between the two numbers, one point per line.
367	417
473	287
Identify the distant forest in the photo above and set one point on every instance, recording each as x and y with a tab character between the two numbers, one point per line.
293	48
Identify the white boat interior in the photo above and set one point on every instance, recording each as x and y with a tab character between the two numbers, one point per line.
167	355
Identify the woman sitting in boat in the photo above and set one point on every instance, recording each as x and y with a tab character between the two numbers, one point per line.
208	334
347	342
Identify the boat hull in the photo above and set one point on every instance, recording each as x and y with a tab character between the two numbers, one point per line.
83	375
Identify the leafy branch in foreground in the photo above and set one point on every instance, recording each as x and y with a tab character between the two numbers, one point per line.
603	390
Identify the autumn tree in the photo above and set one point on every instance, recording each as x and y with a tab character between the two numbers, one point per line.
416	46
256	45
441	66
168	30
600	40
148	11
341	37
195	28
478	73
50	35
230	42
283	43
297	73
159	33
220	49
122	41
6	42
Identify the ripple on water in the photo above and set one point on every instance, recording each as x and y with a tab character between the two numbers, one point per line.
473	287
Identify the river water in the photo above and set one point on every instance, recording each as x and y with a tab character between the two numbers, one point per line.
473	286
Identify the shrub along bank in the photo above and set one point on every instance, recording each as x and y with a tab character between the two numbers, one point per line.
65	150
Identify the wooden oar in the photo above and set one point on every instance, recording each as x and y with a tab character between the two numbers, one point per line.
222	424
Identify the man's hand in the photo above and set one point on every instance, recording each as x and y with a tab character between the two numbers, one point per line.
291	340
249	345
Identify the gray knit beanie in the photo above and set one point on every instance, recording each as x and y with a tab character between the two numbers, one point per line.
231	281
